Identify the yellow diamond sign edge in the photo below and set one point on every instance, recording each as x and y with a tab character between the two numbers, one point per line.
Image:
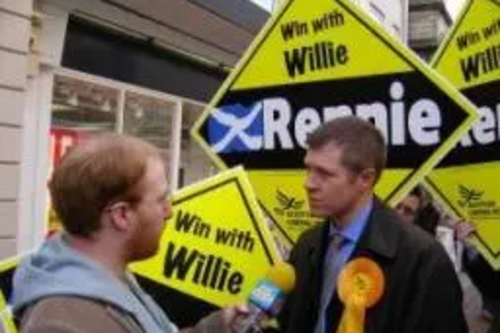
6	318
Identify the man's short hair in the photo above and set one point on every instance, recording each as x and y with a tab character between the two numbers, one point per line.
363	145
95	174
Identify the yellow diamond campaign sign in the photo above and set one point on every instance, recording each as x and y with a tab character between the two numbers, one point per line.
467	179
314	61
216	246
6	319
7	269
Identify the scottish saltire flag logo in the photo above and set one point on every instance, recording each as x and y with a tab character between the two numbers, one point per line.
236	128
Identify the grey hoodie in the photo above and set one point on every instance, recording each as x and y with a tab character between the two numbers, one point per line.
58	270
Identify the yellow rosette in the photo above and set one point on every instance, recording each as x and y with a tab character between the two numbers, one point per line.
360	286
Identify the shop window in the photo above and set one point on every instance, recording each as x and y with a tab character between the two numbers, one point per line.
396	30
194	164
80	109
377	13
83	106
148	118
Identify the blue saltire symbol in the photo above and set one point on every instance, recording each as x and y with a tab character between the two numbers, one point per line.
236	128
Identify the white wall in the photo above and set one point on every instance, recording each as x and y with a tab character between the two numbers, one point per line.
15	23
394	15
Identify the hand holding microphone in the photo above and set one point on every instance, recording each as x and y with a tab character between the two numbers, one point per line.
266	299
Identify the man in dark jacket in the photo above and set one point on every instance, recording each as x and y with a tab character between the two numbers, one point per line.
344	160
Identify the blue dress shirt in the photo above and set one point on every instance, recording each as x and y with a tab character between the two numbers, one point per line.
337	255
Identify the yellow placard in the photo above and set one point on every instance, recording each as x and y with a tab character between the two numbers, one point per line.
465	181
283	198
7	268
470	55
216	246
312	62
6	319
321	33
470	194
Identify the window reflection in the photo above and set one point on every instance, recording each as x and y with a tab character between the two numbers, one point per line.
84	106
148	118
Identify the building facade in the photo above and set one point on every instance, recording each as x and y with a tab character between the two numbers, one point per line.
392	15
429	21
15	27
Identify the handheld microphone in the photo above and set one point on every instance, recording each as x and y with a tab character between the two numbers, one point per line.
266	299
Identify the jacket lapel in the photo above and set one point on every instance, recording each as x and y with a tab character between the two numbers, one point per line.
380	237
316	260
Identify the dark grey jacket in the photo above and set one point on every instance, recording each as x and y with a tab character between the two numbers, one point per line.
422	291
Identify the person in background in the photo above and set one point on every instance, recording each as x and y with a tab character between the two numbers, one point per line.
111	195
480	272
344	160
409	208
416	209
428	219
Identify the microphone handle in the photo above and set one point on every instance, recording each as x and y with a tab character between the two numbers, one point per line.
250	323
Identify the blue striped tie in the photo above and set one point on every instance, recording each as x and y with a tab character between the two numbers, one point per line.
331	270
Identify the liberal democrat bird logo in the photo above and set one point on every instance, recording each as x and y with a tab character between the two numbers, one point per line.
468	195
288	202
